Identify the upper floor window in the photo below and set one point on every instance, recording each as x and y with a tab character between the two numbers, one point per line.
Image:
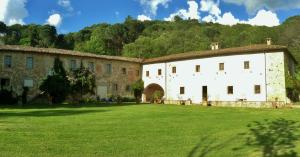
7	61
159	72
124	71
73	65
246	65
197	69
182	90
91	66
230	90
108	68
174	70
221	66
257	89
137	73
147	73
29	62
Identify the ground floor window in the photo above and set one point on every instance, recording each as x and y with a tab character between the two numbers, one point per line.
257	89
182	90
230	90
5	83
28	83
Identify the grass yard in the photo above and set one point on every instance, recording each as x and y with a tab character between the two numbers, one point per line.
146	130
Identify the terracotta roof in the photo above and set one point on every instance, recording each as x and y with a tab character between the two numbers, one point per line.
65	52
263	48
221	52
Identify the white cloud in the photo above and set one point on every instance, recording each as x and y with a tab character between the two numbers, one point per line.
66	4
262	18
54	20
143	18
210	6
151	6
191	13
13	11
253	6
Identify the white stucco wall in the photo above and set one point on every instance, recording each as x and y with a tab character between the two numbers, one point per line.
234	74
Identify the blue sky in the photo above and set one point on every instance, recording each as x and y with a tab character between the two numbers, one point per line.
73	15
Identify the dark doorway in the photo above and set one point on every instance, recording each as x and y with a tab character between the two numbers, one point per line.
204	94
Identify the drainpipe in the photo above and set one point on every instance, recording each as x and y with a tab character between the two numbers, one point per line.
166	80
266	77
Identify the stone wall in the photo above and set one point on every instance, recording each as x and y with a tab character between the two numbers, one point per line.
117	82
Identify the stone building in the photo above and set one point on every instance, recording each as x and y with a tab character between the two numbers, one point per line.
242	76
22	66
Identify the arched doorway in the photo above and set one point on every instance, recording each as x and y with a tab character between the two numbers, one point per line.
153	92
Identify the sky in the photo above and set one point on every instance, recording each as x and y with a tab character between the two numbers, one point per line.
73	15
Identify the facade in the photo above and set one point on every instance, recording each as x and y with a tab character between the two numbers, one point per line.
26	66
251	75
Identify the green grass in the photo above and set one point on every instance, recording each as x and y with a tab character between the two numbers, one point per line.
133	131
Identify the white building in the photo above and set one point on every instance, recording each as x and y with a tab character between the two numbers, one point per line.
251	75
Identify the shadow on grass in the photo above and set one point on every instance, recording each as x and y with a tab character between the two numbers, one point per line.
48	106
48	113
207	146
274	138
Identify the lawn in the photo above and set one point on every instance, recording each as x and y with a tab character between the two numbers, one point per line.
144	130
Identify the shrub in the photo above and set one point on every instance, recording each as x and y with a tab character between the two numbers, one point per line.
82	82
138	88
56	85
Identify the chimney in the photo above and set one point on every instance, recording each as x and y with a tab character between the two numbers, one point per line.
214	46
269	41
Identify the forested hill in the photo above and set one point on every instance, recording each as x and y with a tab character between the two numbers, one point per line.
152	38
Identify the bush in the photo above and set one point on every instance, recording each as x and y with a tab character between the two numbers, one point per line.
57	85
138	88
7	97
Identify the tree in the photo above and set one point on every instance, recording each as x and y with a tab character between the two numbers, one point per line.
138	89
56	85
82	81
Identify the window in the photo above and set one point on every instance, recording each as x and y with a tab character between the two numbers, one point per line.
197	68
246	65
159	72
115	87
4	83
91	66
28	83
7	61
73	65
124	71
221	66
128	88
29	62
181	90
147	73
230	90
108	68
174	70
137	72
257	89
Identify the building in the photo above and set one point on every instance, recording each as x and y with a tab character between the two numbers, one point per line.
242	76
27	66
